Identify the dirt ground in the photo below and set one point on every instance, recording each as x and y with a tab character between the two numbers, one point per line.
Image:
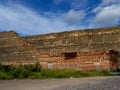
91	83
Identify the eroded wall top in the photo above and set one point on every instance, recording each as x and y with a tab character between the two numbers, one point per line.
78	40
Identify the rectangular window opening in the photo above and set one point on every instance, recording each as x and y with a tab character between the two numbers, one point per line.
70	55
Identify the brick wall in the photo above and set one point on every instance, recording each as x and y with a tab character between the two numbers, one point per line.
14	49
82	60
79	49
80	40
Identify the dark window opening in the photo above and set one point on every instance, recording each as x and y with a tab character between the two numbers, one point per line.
70	55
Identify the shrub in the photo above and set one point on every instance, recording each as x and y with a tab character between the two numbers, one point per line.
35	72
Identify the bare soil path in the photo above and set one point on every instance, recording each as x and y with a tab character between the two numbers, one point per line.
91	83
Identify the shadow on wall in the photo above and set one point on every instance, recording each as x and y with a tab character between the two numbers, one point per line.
114	59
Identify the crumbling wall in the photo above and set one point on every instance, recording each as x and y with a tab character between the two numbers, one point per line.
97	60
14	49
80	49
79	40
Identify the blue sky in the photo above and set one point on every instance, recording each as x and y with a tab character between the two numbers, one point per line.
29	17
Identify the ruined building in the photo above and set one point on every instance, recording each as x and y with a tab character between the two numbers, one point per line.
79	49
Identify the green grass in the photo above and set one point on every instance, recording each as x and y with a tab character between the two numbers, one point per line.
35	72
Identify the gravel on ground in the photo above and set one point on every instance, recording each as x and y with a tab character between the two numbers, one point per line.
90	83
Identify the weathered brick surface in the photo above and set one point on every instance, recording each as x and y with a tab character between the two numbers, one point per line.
80	49
83	61
15	50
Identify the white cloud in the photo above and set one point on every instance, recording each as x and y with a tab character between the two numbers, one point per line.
108	16
105	3
77	4
107	13
21	19
28	22
74	16
109	2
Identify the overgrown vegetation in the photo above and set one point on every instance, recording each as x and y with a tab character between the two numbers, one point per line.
35	72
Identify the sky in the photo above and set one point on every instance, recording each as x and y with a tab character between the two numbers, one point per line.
31	17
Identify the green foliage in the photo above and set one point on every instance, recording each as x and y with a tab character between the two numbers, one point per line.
18	72
35	72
